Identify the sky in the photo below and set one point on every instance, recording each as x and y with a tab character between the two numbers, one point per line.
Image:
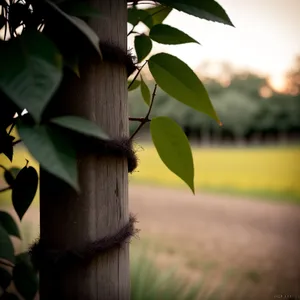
265	38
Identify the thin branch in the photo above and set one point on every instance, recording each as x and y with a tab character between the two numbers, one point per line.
146	119
137	74
138	119
16	142
5	189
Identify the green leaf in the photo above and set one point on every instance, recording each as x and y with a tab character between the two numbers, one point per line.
139	15
6	246
165	34
143	46
79	9
145	92
205	9
158	13
52	150
30	71
24	190
25	278
5	278
8	223
82	26
173	148
134	85
81	125
179	81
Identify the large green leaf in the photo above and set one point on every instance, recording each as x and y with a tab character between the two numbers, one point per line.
24	190
30	71
80	125
173	148
165	34
8	223
204	9
52	150
178	80
145	92
143	46
82	26
6	246
139	15
25	278
158	13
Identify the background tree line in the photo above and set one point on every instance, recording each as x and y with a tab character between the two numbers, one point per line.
250	109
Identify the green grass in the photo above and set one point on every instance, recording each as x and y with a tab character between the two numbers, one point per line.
271	173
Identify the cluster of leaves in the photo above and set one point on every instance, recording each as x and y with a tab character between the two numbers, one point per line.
34	55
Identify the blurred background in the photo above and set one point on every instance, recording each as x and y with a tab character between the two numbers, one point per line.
238	237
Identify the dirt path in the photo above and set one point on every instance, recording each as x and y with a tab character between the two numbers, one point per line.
260	237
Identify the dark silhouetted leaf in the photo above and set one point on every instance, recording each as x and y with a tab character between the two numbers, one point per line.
25	278
5	278
178	80
173	148
18	13
9	178
165	34
2	21
134	85
8	223
52	150
81	125
145	92
83	27
6	144
143	46
158	13
138	15
10	175
6	246
30	71
24	190
205	9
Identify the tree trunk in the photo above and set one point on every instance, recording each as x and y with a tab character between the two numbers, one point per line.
67	220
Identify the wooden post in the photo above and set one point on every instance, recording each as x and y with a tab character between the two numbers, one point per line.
67	219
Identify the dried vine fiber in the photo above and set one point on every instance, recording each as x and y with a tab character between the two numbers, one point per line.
65	259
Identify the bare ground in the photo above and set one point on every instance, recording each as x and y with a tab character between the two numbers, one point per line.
260	240
256	238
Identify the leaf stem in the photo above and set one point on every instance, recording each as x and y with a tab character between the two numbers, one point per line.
137	74
146	119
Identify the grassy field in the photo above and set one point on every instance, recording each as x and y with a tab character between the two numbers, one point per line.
265	172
